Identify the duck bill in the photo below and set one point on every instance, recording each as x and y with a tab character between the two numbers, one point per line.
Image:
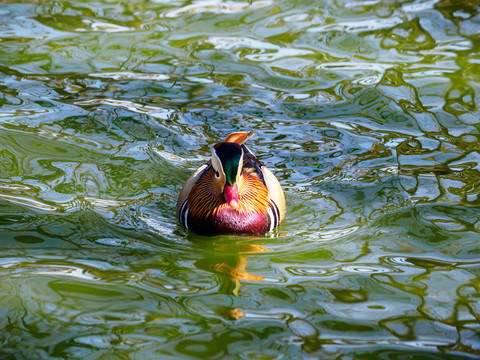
231	195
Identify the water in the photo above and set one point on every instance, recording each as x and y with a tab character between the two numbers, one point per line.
367	112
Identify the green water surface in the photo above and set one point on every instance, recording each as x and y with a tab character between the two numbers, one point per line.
367	112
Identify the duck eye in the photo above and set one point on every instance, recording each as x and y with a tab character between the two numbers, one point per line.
217	174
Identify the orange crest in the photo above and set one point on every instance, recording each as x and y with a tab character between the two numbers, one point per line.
240	137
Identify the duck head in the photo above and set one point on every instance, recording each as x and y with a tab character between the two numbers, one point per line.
227	161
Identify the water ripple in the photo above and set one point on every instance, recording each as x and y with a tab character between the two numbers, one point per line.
367	112
215	6
357	25
156	112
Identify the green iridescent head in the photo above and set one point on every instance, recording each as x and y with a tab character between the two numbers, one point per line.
230	157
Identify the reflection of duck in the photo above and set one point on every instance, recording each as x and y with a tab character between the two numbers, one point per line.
233	193
231	258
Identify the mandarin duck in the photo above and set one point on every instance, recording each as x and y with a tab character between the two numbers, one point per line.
233	193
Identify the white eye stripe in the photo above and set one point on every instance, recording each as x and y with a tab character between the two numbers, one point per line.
217	164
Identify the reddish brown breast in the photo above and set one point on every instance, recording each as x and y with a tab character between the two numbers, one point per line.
208	213
230	221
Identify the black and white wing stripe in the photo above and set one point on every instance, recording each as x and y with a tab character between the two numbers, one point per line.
183	214
273	216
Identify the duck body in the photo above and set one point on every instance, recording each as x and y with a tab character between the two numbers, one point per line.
234	193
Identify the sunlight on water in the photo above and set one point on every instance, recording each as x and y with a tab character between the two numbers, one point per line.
366	111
